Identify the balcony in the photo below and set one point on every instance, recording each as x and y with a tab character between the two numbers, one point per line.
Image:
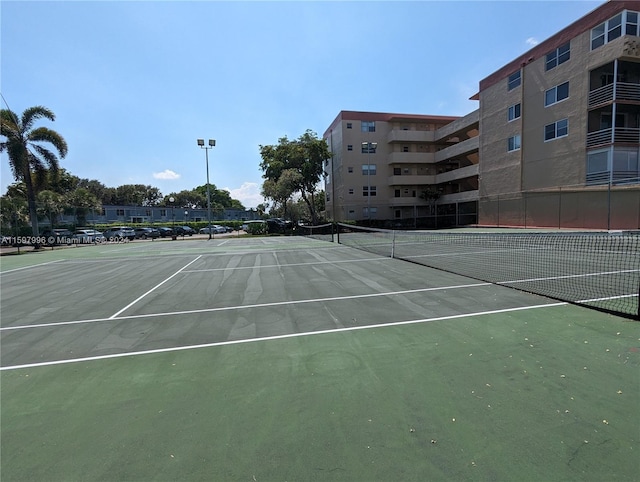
468	122
459	149
401	180
399	135
626	135
624	92
411	158
456	174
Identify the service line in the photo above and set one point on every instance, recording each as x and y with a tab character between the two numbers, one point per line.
154	288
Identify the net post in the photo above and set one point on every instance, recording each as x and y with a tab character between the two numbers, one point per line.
393	243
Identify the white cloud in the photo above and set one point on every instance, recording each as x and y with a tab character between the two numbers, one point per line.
166	174
532	42
248	194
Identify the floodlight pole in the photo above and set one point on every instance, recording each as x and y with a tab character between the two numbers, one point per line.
212	143
173	219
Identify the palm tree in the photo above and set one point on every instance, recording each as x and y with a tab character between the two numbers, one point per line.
28	158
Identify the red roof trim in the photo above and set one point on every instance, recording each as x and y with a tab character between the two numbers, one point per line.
346	115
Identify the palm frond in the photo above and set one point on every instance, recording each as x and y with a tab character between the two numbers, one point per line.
32	114
43	154
44	134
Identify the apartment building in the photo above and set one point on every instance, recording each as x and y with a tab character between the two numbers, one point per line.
555	142
560	128
402	169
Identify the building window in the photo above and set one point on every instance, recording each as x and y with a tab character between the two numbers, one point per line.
369	147
369	211
349	125
119	212
624	23
163	212
396	193
405	148
632	23
368	169
349	147
513	143
368	191
513	112
556	94
368	126
396	171
514	80
350	190
557	129
558	56
328	196
349	169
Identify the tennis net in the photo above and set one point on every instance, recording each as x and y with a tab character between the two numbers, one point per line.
324	232
597	270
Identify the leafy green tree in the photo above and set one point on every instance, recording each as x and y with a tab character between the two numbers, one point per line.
137	195
81	202
14	210
431	195
50	205
301	161
29	158
186	199
282	189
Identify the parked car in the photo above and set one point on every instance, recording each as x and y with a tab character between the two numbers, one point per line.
213	229
147	233
255	227
119	233
165	232
185	231
57	236
277	225
83	236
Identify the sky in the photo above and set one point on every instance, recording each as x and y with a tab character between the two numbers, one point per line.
133	84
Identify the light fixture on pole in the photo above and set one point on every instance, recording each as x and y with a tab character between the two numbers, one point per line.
212	144
369	147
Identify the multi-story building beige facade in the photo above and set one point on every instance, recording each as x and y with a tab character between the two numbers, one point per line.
560	128
555	142
402	169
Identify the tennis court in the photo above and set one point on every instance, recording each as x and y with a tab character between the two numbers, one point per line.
291	358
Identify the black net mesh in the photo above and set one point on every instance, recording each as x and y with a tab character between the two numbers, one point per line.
598	270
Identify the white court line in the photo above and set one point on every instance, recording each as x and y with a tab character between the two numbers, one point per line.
154	288
275	337
32	266
382	258
242	307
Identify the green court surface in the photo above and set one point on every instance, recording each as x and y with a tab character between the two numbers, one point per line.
289	359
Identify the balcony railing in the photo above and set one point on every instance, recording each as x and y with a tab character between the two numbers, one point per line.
624	91
617	178
628	135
